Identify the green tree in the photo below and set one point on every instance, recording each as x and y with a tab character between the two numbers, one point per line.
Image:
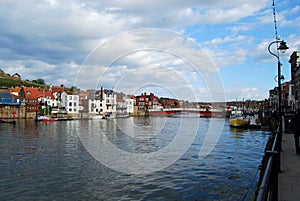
40	81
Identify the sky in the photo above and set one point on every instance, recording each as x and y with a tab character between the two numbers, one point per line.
207	50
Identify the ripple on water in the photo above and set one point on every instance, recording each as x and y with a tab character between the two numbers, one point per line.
48	162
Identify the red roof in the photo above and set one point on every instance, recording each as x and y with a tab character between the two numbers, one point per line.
57	89
35	93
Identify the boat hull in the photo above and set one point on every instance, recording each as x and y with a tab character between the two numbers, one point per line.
238	123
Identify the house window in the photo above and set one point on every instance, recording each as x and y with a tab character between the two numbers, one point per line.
74	104
70	104
70	110
70	97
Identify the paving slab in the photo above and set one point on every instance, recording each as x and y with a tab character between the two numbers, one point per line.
289	178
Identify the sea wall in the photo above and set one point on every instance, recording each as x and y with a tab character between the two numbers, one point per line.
10	112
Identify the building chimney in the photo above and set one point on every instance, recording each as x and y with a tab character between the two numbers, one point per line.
101	94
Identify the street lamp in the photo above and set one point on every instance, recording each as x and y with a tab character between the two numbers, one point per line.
282	48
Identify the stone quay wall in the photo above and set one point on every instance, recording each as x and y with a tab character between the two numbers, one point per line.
9	112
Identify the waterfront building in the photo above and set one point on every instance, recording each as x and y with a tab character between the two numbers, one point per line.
34	99
125	105
96	106
10	105
7	99
295	79
287	97
110	100
83	101
129	102
145	102
69	103
104	102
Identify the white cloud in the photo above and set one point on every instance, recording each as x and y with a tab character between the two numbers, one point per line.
50	38
240	93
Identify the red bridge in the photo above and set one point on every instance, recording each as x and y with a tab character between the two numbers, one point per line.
206	113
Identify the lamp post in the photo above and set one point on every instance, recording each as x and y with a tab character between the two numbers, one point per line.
282	47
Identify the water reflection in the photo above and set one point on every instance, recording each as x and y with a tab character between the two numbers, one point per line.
48	162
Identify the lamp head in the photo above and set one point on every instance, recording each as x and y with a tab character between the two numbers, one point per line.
282	47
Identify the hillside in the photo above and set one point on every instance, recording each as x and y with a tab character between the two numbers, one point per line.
7	82
15	80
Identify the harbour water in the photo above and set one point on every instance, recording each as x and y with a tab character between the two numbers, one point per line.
48	161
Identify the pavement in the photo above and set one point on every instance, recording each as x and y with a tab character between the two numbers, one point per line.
289	178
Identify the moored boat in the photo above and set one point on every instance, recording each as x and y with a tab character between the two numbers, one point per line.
10	122
254	121
49	119
238	122
41	118
237	119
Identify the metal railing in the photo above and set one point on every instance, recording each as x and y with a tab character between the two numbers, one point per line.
268	189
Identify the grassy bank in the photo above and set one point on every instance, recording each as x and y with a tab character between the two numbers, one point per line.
13	83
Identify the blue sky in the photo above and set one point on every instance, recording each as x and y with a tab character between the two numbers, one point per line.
59	41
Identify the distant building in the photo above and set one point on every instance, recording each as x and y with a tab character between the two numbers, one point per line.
170	103
16	76
273	99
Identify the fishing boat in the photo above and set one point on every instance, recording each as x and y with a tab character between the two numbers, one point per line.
237	119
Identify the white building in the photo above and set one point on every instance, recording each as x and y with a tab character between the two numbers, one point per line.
70	103
104	103
125	105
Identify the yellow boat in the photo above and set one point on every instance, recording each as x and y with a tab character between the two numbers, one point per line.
238	120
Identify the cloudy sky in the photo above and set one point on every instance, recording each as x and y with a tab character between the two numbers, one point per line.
188	49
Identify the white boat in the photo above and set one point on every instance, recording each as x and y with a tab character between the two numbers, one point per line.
98	117
254	121
42	118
